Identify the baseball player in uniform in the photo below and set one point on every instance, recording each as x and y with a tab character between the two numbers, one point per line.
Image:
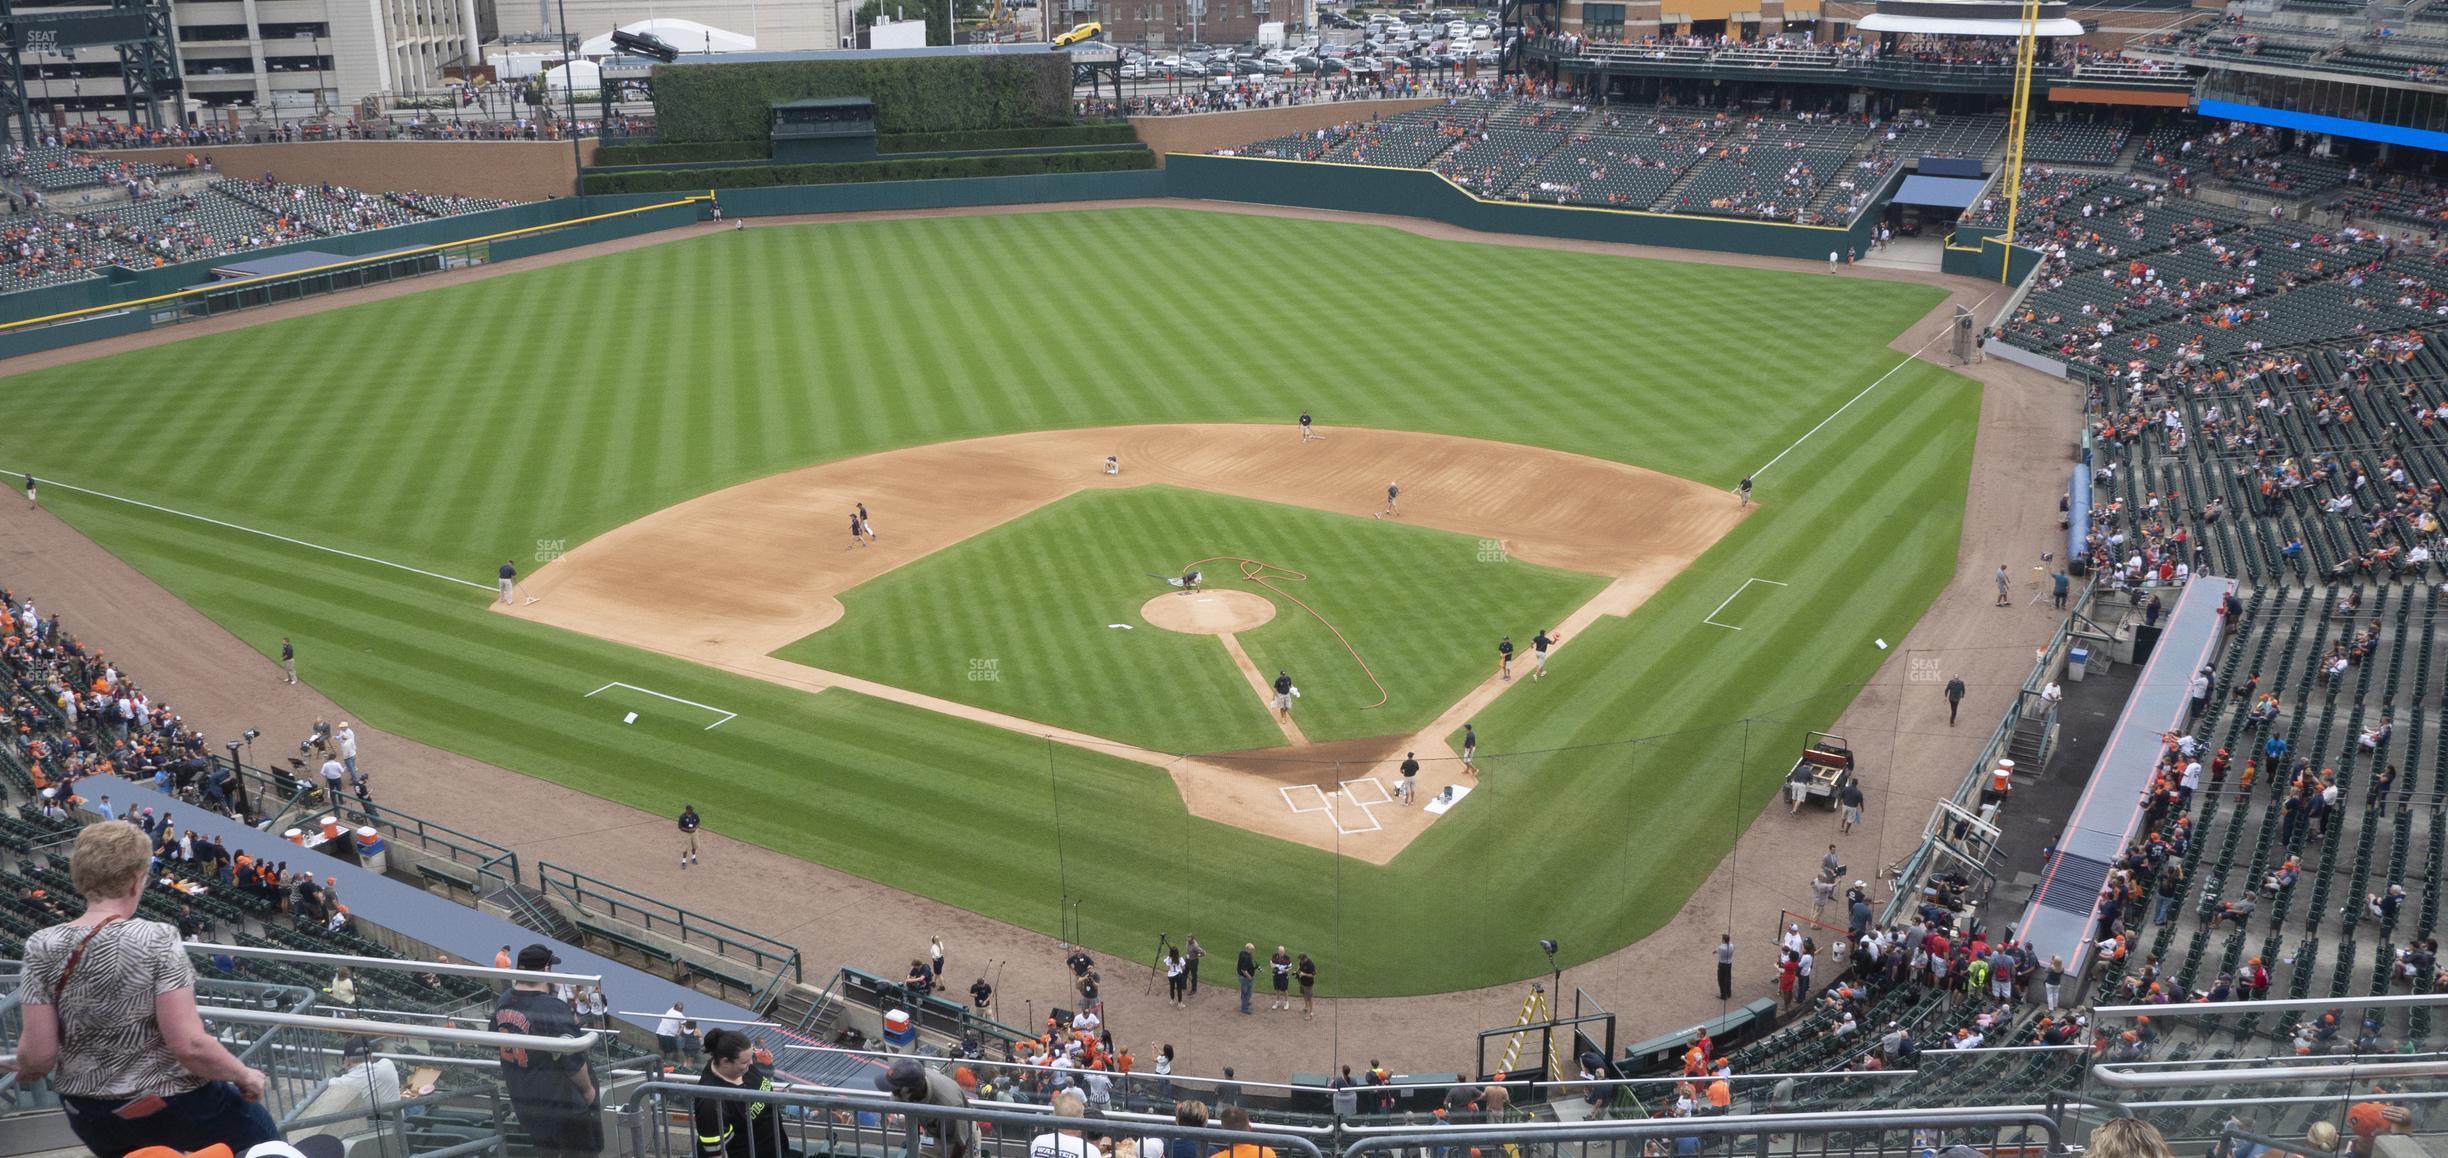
1393	492
1470	749
1538	652
1504	657
1306	432
1283	694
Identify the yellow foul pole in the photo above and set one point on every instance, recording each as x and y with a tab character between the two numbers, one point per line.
2027	49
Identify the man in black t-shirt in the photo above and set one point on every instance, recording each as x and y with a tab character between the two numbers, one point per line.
553	1093
1410	778
736	1129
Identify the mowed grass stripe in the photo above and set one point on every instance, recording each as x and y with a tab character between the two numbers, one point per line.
1636	361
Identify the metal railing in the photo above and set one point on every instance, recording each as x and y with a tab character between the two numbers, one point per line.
1995	1130
929	1014
392	964
777	963
655	1121
304	794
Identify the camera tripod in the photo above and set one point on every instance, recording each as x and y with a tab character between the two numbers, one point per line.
1156	967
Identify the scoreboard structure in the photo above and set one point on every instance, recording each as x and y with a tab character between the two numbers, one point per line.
139	30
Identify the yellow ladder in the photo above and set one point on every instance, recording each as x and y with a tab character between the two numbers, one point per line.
1533	1010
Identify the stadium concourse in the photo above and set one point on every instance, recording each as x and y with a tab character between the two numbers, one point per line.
1664	982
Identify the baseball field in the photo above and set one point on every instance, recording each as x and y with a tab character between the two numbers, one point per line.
667	442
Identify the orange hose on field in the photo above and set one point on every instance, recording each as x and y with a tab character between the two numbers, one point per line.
1259	573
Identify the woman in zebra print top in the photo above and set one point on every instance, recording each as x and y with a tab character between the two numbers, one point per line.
110	1016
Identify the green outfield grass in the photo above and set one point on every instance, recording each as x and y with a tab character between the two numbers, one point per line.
451	429
1017	620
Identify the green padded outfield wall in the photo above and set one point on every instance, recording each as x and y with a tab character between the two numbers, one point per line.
1420	193
1975	251
782	200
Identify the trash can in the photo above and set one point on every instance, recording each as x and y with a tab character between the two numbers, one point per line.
2075	659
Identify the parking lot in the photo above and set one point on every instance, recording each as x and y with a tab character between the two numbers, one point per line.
1433	44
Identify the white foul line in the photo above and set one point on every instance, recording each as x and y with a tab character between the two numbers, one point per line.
1711	617
727	717
1891	372
265	534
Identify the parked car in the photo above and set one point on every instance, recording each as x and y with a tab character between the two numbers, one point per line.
1219	68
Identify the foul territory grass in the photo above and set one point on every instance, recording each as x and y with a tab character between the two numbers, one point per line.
1019	620
452	429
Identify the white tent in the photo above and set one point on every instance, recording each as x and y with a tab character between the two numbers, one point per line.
686	35
584	75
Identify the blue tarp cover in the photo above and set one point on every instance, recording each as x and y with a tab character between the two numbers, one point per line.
1940	192
279	263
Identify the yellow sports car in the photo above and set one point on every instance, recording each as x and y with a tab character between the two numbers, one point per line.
1078	33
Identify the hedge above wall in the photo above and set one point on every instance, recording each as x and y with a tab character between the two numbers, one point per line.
1103	134
927	94
847	172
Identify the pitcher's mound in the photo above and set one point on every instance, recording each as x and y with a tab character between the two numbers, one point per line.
1212	612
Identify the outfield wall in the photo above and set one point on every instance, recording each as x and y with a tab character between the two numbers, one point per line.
1348	188
954	193
510	170
1421	193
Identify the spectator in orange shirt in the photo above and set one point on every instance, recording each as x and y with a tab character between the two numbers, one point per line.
1237	1119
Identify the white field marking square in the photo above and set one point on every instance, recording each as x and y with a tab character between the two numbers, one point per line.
1383	797
727	717
1295	794
1711	618
1294	802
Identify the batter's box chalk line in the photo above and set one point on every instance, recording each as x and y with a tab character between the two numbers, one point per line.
727	717
1295	796
1711	617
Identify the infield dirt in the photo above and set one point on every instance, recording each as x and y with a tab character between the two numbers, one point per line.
785	558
